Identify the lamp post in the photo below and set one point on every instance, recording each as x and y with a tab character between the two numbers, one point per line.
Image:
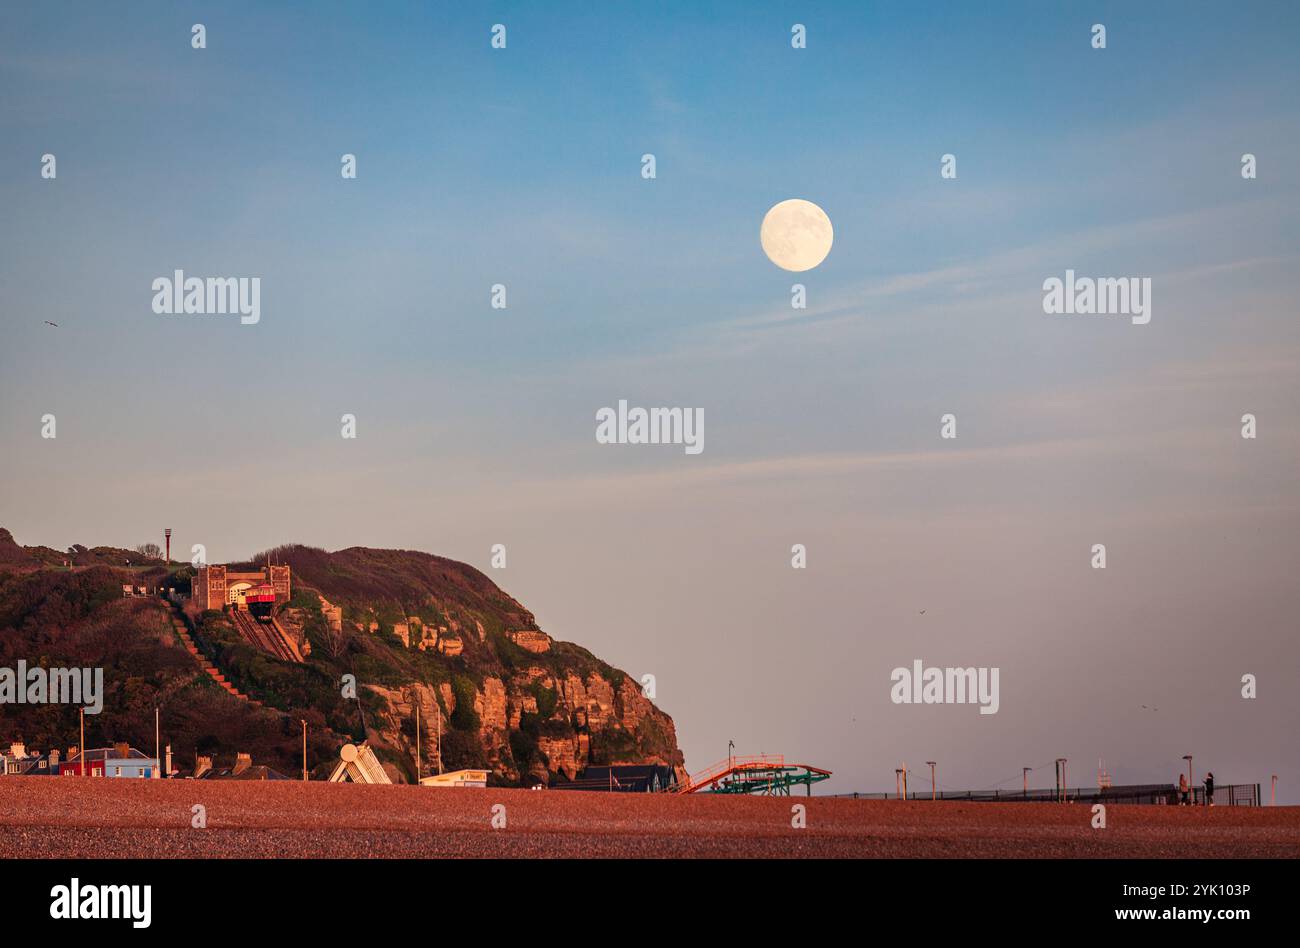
1272	801
731	746
304	749
932	791
157	750
417	742
898	783
1063	796
1191	784
1025	775
82	750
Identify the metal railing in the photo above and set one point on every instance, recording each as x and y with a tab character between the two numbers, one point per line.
1236	794
724	767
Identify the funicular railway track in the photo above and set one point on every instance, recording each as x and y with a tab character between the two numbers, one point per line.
267	636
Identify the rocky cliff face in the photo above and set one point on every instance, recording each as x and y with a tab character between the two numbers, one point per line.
384	632
515	740
503	693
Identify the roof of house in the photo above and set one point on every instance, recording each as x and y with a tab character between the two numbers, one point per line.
108	753
626	771
32	764
620	777
255	772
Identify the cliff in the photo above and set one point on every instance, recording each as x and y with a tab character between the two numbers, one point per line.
504	694
386	631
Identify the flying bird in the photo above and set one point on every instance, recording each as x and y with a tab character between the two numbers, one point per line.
48	323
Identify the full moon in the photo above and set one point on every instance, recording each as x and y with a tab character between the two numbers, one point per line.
796	235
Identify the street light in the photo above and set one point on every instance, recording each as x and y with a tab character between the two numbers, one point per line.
304	748
932	793
731	746
1025	775
1064	795
898	783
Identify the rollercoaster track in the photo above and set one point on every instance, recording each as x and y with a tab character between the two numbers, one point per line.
267	636
767	774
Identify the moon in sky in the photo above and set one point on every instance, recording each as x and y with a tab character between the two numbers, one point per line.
796	235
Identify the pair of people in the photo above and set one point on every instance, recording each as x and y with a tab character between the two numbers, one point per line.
1185	790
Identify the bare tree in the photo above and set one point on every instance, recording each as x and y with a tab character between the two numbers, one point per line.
151	550
336	640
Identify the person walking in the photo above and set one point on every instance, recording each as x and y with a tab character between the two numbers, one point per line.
1209	789
1182	789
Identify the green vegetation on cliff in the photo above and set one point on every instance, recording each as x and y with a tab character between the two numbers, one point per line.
503	707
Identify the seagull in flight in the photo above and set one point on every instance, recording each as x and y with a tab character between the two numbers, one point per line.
48	323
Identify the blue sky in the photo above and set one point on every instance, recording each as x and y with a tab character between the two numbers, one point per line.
522	167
